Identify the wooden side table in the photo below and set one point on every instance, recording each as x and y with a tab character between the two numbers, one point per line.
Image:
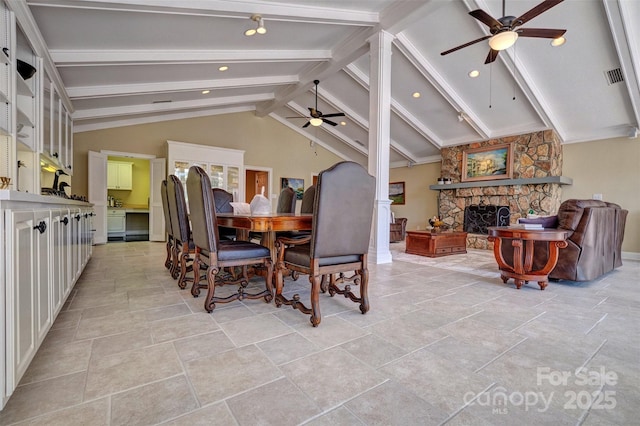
436	244
521	239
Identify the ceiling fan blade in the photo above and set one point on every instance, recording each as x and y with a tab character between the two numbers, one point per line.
306	124
540	32
485	18
335	114
329	122
446	52
537	10
493	54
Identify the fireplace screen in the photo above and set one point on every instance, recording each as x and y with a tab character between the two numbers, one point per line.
478	217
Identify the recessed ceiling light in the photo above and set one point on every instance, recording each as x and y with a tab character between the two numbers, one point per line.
474	73
416	94
204	92
343	123
558	41
223	68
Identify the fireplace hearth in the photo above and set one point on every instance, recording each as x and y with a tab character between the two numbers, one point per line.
479	217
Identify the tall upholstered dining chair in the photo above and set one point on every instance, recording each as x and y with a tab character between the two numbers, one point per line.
223	200
169	261
307	200
215	254
339	240
286	201
183	244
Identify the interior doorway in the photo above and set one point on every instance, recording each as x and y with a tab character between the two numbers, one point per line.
257	178
98	195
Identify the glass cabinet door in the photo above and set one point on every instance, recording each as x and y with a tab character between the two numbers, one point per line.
233	181
216	173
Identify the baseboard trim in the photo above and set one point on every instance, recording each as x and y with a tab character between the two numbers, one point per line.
630	255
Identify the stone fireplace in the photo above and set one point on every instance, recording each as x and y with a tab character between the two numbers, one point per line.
535	184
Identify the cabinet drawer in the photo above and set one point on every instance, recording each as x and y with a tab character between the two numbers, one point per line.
458	249
441	250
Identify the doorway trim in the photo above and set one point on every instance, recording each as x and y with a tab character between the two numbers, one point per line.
269	171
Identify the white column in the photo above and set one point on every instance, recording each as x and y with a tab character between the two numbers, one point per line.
379	141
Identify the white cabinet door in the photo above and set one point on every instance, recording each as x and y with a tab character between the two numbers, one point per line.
57	260
119	175
21	295
67	275
116	221
42	233
75	247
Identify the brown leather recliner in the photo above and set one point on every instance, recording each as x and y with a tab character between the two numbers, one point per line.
596	231
397	230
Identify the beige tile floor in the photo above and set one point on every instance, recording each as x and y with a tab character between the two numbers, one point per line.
445	342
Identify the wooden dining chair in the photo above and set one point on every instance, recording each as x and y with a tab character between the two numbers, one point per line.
183	245
338	243
214	254
169	262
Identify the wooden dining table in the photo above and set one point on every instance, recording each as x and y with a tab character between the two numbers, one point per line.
268	225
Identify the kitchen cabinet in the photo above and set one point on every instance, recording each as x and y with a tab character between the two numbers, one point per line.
21	295
119	175
116	223
47	244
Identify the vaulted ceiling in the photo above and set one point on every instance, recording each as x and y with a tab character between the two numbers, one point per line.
133	61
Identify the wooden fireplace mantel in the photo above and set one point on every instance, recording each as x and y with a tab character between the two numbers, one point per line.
560	180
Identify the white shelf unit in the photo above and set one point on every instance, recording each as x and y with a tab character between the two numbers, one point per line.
224	166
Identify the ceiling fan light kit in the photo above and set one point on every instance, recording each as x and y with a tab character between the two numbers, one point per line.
503	33
316	118
504	40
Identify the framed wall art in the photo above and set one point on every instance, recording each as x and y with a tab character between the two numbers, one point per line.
396	192
296	184
487	163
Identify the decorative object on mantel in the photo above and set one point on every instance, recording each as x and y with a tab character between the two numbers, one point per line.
440	181
487	163
448	181
4	182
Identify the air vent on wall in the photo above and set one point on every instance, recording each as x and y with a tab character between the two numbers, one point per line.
614	76
166	101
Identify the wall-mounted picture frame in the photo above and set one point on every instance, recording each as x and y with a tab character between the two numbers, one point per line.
396	192
487	163
294	183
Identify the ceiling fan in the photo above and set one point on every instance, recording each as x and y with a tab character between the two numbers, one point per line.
316	117
504	31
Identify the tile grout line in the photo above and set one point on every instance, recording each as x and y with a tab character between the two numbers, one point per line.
591	357
500	355
528	321
593	400
459	410
596	324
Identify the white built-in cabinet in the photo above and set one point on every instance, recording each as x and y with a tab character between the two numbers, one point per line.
119	175
44	253
224	166
35	123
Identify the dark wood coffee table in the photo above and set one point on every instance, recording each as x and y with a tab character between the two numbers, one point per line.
436	244
522	242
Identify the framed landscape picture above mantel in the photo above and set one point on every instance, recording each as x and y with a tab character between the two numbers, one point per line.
487	163
396	192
